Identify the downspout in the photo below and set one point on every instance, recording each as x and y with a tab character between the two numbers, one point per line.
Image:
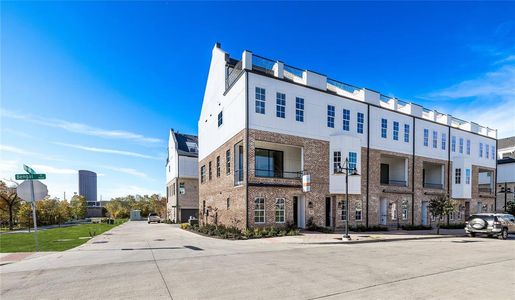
246	148
495	179
449	162
368	159
413	177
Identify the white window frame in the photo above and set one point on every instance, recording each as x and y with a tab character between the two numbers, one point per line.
259	207
331	113
384	128
337	161
395	130
280	105
260	100
299	109
346	119
457	176
360	122
353	160
280	210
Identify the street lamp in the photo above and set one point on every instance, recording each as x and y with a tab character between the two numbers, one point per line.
353	172
505	190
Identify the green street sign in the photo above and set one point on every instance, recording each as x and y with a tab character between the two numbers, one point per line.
29	176
28	169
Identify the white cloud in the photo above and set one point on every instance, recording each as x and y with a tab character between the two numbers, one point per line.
7	148
120	191
488	100
81	128
497	83
53	170
108	151
126	171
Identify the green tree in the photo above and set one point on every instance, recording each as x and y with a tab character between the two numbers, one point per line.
24	215
9	202
78	206
159	205
63	212
441	206
510	207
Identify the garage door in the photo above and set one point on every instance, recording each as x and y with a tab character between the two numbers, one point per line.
186	213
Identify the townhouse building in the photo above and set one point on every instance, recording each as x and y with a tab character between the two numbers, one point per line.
265	125
182	177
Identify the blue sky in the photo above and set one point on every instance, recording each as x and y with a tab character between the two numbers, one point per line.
93	85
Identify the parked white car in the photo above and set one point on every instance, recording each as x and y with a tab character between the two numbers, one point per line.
153	217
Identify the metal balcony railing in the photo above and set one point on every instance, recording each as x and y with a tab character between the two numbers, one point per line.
486	190
437	186
394	183
278	174
232	75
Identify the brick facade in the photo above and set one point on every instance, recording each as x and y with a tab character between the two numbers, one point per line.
402	204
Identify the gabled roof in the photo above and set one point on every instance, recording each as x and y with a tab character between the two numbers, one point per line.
187	144
506	143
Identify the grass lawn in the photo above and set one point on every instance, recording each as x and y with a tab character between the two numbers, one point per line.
56	239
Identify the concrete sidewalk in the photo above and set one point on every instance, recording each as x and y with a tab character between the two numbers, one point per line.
312	237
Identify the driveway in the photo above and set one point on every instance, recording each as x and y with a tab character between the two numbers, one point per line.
160	261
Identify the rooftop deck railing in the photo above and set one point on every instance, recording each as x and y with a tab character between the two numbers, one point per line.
263	64
291	72
343	86
233	74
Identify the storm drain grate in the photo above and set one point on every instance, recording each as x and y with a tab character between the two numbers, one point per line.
159	240
100	242
194	248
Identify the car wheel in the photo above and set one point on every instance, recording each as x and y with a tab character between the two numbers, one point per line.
504	234
472	234
148	222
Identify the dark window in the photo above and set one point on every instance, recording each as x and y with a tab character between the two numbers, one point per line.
210	171
218	166
228	161
220	118
202	174
385	173
269	163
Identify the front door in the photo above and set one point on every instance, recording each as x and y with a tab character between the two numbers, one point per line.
424	213
295	210
327	211
467	210
383	208
301	212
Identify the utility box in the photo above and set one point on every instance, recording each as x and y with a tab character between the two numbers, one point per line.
135	215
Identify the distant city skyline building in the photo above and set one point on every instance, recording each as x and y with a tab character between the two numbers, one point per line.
88	185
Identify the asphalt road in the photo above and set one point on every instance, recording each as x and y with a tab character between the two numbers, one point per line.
159	261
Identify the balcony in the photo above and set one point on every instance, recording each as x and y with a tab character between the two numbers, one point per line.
277	161
394	171
486	181
433	175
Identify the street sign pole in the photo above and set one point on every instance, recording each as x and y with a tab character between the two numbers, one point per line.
34	213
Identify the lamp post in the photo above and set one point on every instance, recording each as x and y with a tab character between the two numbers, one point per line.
505	190
346	169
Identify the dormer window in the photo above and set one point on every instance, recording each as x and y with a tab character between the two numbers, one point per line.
192	147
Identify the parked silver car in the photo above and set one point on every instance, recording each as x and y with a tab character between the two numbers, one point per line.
153	217
491	224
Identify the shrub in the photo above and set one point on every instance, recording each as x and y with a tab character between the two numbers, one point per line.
416	227
293	232
185	226
453	226
311	226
